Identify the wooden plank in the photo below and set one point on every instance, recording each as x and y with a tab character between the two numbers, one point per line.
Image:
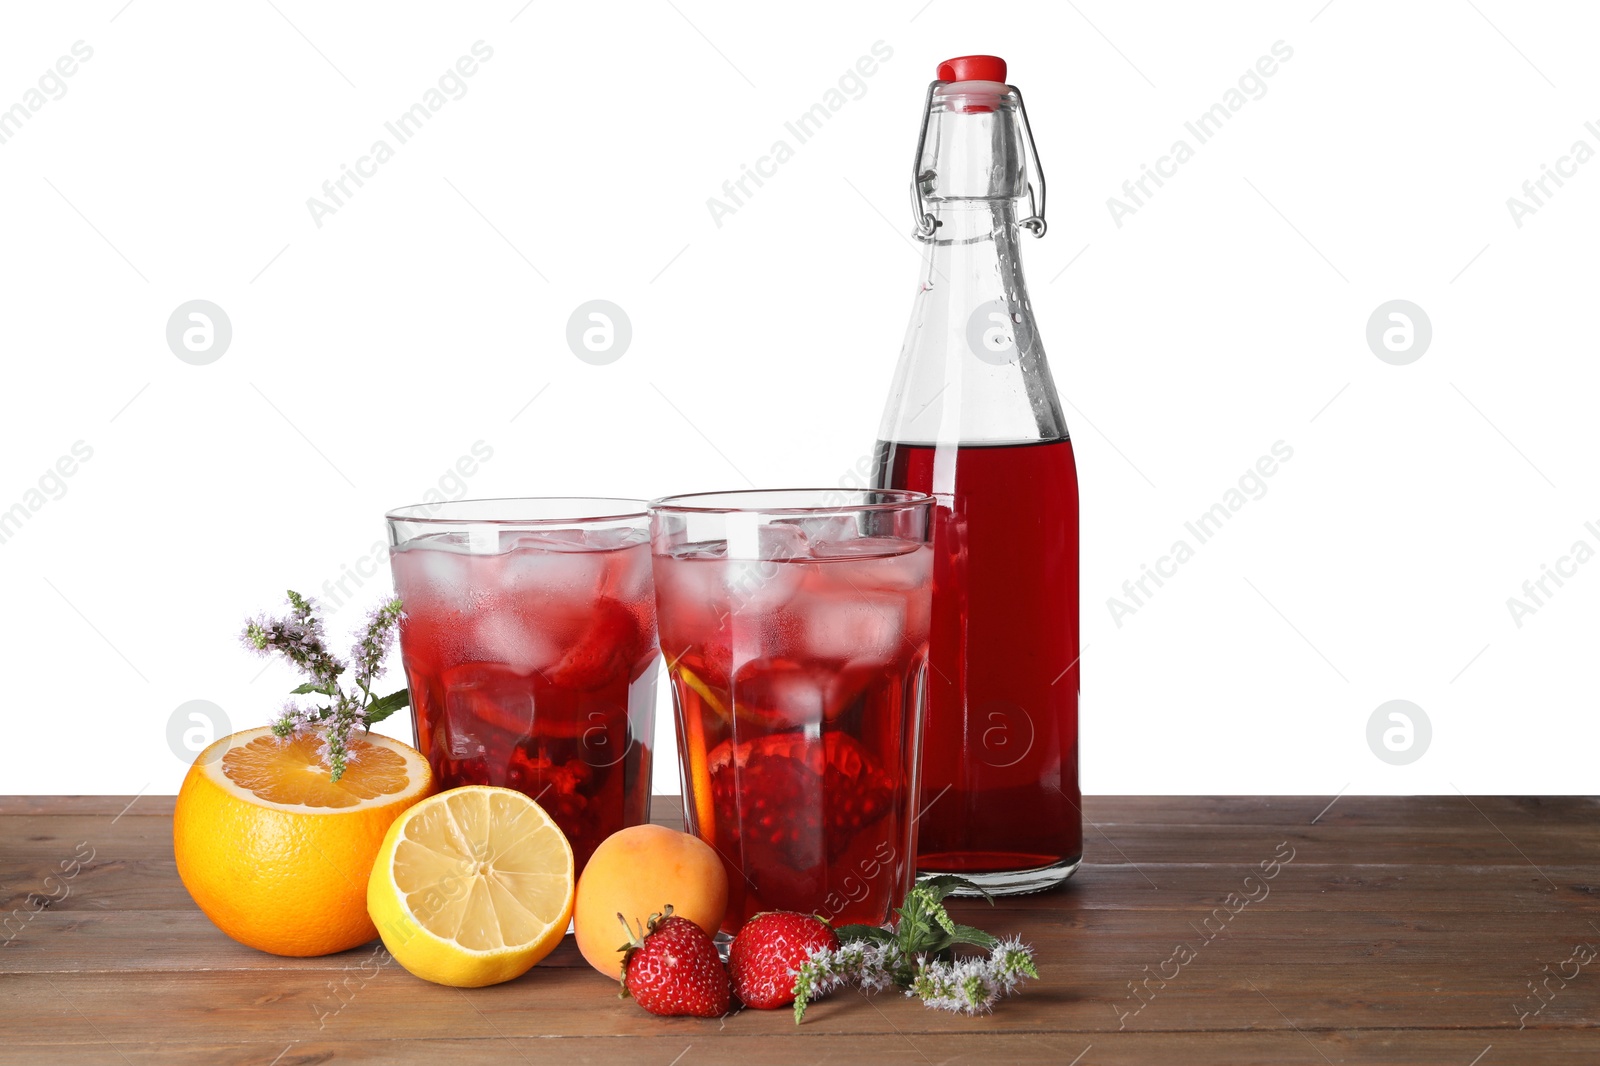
1113	946
94	806
1104	810
55	837
705	1045
1229	987
135	886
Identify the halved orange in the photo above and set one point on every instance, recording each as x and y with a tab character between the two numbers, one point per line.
276	854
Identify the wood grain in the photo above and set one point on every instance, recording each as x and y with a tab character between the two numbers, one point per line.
1403	930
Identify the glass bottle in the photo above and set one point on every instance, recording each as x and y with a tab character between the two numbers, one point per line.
974	419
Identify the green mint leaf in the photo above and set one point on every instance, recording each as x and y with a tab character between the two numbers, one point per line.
926	929
384	706
966	934
311	686
848	933
915	907
943	885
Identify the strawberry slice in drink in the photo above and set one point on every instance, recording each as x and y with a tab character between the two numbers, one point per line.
486	704
796	804
606	652
778	693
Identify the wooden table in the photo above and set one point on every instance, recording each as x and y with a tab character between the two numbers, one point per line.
1389	930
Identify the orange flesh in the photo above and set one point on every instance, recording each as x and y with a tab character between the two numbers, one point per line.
290	771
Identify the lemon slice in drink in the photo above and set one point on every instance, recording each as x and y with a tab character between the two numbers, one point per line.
472	887
699	778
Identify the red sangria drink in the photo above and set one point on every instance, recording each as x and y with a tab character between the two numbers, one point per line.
999	763
795	628
529	640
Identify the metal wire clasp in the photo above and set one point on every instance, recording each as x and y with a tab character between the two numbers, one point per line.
1035	220
927	224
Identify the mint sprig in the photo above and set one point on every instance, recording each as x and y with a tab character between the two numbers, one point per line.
918	956
298	638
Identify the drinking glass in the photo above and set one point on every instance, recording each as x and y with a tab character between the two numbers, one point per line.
529	640
794	624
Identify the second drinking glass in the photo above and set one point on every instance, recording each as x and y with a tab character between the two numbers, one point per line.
795	628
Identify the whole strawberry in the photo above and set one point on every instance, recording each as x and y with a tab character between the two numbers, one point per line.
674	968
769	950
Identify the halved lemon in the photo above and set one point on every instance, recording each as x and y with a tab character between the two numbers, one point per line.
276	854
472	887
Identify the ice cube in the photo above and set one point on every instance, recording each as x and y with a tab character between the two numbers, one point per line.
861	547
554	540
615	539
822	530
704	549
548	566
912	570
757	586
503	636
576	539
782	540
433	574
455	541
690	583
851	624
631	580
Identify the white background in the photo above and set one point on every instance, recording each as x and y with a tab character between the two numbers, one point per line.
429	313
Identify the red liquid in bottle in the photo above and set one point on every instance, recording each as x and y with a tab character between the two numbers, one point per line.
1000	750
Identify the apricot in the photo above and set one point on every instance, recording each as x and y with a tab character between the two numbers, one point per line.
636	872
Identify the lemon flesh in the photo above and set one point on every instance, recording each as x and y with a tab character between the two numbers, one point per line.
472	887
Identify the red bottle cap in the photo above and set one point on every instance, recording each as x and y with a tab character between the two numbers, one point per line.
973	68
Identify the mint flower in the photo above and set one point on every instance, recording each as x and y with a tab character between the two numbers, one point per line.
299	639
375	641
974	985
918	956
